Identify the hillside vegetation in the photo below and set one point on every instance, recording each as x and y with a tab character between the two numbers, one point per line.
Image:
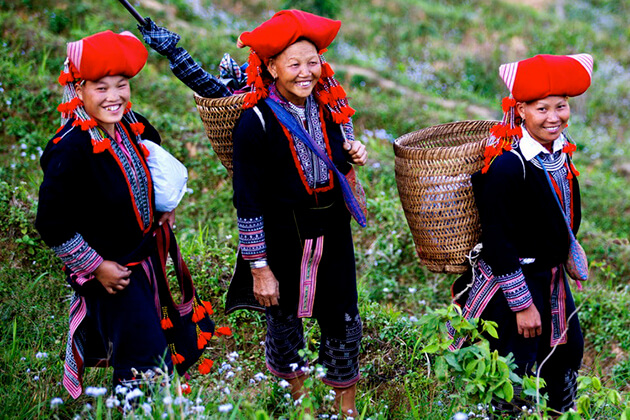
406	64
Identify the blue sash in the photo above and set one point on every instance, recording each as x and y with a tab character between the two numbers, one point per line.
298	130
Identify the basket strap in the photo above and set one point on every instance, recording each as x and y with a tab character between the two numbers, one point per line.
260	117
521	159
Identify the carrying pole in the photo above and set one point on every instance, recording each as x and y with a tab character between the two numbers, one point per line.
134	12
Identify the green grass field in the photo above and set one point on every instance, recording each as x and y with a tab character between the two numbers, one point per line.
406	64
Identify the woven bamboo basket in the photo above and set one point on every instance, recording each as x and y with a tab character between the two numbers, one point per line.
433	168
218	116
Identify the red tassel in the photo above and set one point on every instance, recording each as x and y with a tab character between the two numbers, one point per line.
177	358
166	323
205	366
137	128
201	342
56	140
145	151
100	146
223	331
199	313
208	307
507	103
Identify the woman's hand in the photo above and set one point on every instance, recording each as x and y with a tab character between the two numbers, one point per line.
168	217
528	322
113	276
357	152
266	287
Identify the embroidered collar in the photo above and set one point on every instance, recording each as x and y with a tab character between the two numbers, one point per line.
531	148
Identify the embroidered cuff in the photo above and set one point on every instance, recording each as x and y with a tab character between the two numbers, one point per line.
252	238
515	290
78	256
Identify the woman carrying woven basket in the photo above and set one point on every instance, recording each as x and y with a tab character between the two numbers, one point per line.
529	204
292	148
97	211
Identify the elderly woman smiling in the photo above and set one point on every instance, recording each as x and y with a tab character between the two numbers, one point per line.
293	146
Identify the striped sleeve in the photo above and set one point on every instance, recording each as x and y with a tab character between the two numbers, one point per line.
78	256
515	290
252	238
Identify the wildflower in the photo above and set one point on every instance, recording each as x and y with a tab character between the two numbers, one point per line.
460	416
252	381
260	376
197	409
226	390
225	366
293	366
147	409
413	319
321	372
412	290
168	400
134	394
229	374
224	408
93	391
283	384
23	358
23	146
287	396
228	236
55	402
120	389
36	378
112	402
232	356
41	355
386	290
186	389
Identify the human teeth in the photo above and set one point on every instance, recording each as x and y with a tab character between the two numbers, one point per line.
112	108
304	84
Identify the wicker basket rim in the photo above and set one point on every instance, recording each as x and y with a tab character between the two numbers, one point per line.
443	130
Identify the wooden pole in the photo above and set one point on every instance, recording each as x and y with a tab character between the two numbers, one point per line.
134	12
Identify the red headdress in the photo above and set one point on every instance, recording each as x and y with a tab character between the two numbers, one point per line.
99	55
531	79
274	36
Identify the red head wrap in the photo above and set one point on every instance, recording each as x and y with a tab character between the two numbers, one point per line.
532	79
108	54
286	27
548	75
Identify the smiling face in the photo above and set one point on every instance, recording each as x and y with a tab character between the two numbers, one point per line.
545	119
105	100
296	70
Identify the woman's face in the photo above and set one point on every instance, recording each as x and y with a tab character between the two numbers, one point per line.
105	100
545	119
296	70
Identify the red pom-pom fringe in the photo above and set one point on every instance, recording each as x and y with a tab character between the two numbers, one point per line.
177	358
205	366
223	331
137	128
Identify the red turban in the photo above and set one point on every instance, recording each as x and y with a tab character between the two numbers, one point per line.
548	75
108	54
287	26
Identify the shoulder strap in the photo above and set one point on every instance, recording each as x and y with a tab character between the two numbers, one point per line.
260	117
521	159
553	192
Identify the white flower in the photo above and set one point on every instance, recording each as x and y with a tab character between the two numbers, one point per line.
197	409
224	408
93	391
293	366
232	356
229	374
23	146
386	290
252	381
147	409
55	402
22	358
226	390
228	236
287	396
460	416
112	402
412	290
283	384
321	372
41	355
168	400
260	376
120	389
134	394
36	378
413	319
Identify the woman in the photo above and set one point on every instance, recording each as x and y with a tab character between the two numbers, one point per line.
294	229
97	212
519	279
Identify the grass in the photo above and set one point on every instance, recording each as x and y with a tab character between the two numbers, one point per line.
442	56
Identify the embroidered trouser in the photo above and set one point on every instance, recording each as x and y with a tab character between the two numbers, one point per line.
338	355
560	370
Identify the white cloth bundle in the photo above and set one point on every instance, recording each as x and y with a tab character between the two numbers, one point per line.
169	177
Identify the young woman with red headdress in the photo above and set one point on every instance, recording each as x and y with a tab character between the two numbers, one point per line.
97	212
296	252
528	196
